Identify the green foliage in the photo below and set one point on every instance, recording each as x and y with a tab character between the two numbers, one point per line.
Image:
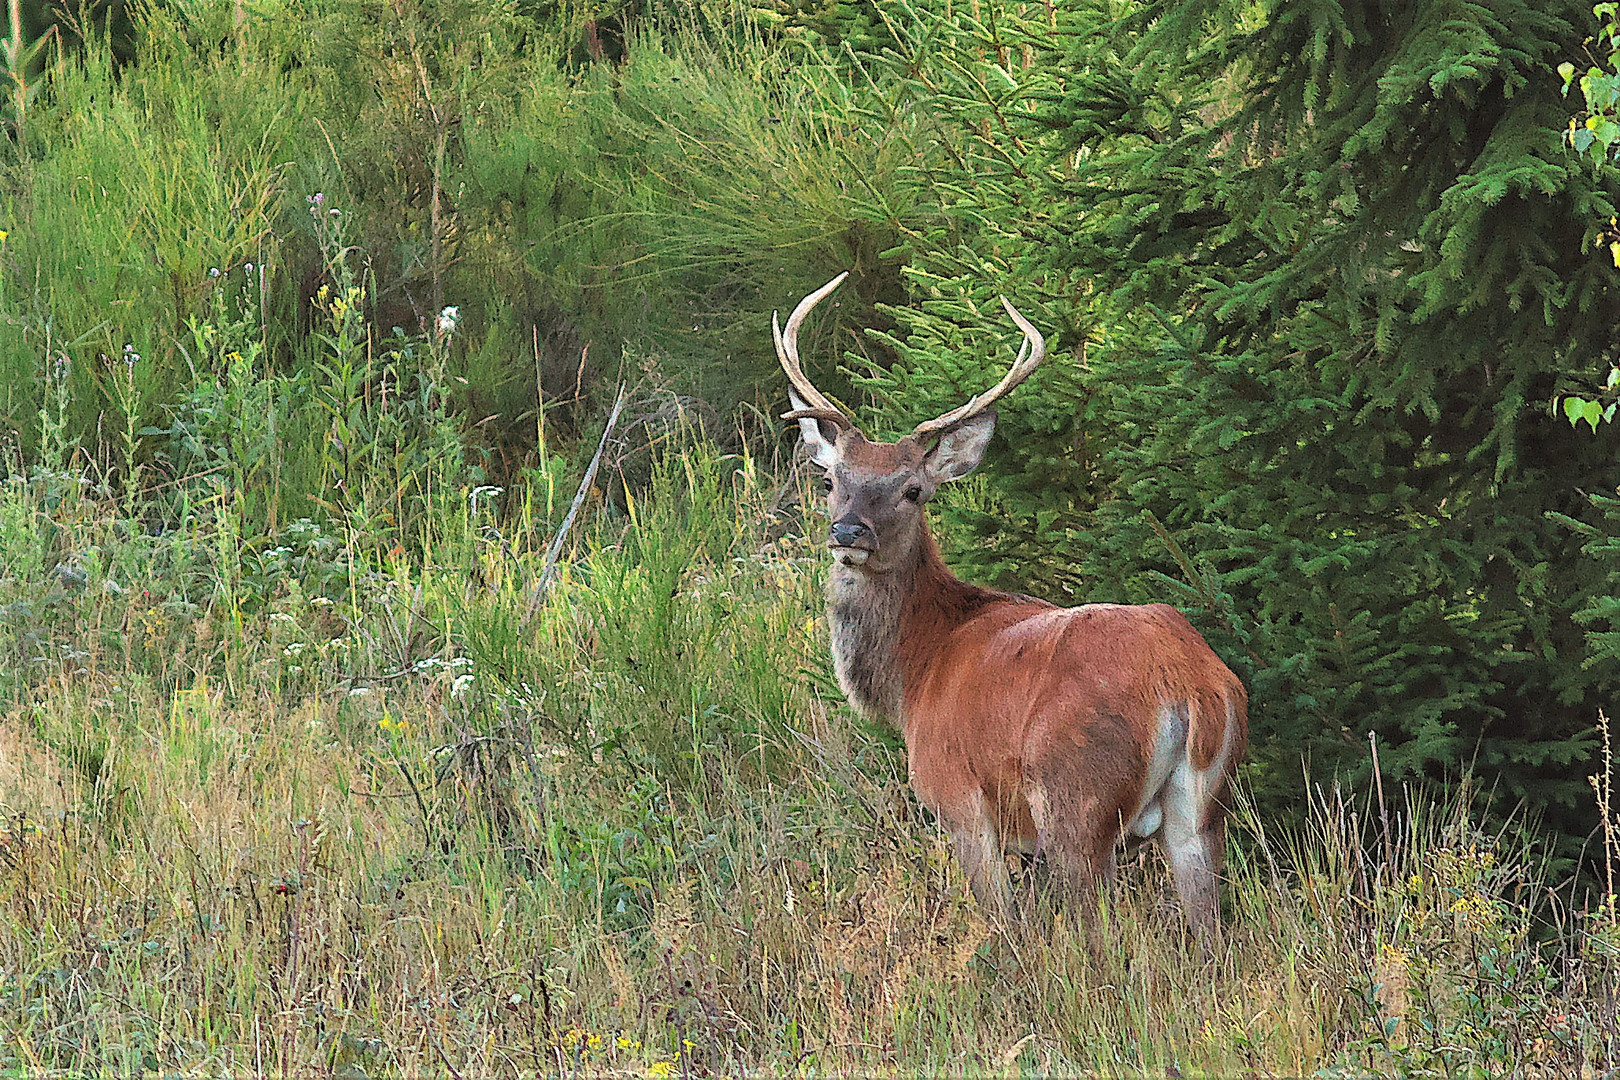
114	230
852	27
1596	135
670	203
21	55
957	90
1370	347
1323	290
1602	611
1442	916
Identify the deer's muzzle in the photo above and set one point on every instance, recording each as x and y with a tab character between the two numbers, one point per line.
851	532
852	541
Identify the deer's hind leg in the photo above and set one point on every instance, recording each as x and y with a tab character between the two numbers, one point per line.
1194	835
1076	837
1195	842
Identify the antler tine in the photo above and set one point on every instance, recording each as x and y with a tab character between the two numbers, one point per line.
787	352
1030	354
832	417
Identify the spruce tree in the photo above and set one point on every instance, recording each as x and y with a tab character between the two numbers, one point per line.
1335	266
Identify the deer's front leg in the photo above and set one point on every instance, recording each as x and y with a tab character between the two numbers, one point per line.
978	848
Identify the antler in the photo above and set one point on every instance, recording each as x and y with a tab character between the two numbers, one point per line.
1030	355
819	407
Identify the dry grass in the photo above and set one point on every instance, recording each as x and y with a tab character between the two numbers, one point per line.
255	824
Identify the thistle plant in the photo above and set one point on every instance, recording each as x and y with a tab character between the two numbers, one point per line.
128	395
53	408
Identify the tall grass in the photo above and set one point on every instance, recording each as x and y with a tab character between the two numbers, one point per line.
330	807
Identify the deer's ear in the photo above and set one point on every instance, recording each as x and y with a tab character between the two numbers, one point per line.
821	450
961	448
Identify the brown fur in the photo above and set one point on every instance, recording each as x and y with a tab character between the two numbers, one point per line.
1027	726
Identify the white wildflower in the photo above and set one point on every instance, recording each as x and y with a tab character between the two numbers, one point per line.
485	494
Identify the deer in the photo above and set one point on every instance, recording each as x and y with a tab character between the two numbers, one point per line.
1055	733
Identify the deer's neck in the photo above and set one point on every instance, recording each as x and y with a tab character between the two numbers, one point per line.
887	628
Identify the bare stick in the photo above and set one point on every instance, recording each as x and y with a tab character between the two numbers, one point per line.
539	391
541	587
1383	814
427	1029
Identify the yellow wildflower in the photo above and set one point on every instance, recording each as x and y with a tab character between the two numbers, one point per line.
1476	913
403	727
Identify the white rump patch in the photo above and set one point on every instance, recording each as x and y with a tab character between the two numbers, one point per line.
1190	790
1174	787
1169	750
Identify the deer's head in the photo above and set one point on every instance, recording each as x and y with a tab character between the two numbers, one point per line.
876	490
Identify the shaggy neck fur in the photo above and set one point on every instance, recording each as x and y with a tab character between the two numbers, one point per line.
886	627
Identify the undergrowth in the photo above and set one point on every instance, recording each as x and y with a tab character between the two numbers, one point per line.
543	224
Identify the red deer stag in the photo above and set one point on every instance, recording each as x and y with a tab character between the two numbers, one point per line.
1028	727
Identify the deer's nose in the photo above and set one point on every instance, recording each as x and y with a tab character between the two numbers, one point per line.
851	532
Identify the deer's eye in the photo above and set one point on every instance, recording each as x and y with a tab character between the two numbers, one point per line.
914	494
827	484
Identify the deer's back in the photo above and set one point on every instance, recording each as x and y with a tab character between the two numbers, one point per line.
1025	689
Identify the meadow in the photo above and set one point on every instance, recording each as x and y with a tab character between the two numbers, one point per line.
319	808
